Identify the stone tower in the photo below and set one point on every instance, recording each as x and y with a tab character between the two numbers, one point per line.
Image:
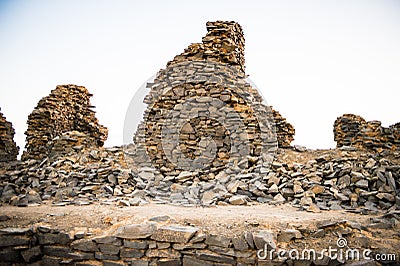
203	116
65	113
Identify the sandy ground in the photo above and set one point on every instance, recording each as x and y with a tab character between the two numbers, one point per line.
236	218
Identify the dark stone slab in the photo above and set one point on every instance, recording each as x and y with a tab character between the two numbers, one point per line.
218	240
13	240
131	253
32	254
84	245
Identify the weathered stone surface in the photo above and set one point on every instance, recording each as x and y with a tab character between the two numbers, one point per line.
57	251
249	238
131	253
108	249
240	243
84	245
174	233
138	262
138	244
13	240
289	234
183	246
107	240
102	256
9	255
78	255
217	240
214	257
113	263
59	238
264	237
163	253
193	261
135	231
14	230
31	254
199	237
238	200
223	251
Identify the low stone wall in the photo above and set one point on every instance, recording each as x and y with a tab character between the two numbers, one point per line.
353	130
152	243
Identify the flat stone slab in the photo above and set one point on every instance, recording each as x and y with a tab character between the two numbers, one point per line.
174	233
135	231
218	240
14	231
264	237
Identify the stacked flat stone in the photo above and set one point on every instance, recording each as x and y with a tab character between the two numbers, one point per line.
357	180
284	130
8	147
70	142
224	43
67	108
163	241
206	87
352	130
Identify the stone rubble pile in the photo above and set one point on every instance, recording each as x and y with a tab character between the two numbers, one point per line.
352	130
349	180
165	243
203	116
8	147
78	178
67	108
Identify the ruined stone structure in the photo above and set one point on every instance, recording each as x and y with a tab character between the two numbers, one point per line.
284	130
66	109
204	116
8	148
353	130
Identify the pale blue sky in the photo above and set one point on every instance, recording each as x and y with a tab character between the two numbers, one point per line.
312	60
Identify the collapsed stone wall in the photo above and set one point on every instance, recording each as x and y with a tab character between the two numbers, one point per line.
352	130
224	43
334	180
203	116
284	130
67	108
8	147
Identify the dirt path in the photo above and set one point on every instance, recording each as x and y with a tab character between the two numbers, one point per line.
213	218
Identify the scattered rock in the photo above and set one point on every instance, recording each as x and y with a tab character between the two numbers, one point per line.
238	200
